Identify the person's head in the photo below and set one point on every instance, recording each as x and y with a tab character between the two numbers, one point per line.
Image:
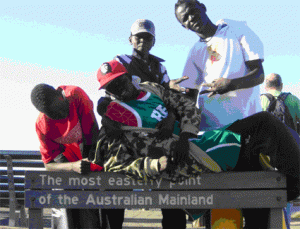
49	101
114	78
142	36
192	15
273	81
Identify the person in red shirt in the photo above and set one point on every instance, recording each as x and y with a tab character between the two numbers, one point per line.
67	130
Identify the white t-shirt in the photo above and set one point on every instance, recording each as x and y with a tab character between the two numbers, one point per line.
224	55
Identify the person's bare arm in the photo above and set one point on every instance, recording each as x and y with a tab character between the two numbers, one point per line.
223	85
255	77
82	166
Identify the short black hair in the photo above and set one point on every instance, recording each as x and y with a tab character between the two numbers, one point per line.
180	2
275	82
194	2
42	95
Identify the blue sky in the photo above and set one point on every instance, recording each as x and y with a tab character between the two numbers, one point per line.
65	42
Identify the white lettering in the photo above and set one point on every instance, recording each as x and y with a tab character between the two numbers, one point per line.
172	184
127	200
156	115
198	180
84	181
162	110
127	181
58	181
92	181
111	181
172	200
210	200
43	180
163	200
75	200
48	198
130	200
148	200
50	180
74	181
90	200
202	198
67	200
192	181
119	181
194	200
158	182
60	198
42	200
98	180
107	200
186	200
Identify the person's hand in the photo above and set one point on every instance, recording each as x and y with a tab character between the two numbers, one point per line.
103	102
218	86
84	166
180	150
173	84
163	162
166	127
76	166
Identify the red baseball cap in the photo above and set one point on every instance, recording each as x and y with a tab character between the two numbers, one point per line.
109	71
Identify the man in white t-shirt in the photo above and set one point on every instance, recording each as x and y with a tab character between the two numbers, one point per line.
225	66
224	69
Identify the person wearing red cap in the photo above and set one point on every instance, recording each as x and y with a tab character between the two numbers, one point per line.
67	130
128	143
143	66
170	216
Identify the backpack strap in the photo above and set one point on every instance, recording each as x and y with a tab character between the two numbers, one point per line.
283	95
270	97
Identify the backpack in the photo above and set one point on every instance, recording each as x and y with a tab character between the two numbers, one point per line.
278	108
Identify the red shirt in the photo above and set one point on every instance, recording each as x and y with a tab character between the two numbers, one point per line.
66	135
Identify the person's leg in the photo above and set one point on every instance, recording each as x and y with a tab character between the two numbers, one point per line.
207	219
257	218
171	217
59	218
89	218
115	218
264	133
73	217
80	219
104	219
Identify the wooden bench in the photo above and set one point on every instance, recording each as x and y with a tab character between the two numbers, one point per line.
13	165
112	190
